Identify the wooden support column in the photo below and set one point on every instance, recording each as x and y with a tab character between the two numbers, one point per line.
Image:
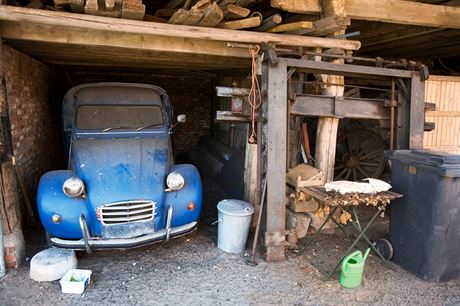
326	135
9	201
417	112
274	86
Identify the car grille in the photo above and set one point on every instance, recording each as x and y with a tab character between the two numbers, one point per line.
126	212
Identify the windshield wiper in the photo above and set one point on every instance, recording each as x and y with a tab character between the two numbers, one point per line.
148	126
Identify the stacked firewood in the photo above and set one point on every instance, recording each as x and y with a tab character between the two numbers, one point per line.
253	15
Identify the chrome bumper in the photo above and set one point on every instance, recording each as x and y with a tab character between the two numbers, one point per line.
125	243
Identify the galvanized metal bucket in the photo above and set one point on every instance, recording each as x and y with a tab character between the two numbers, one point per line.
234	218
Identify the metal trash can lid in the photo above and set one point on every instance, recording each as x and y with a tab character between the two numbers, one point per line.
235	208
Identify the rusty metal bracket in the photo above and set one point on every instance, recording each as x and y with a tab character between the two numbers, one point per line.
270	53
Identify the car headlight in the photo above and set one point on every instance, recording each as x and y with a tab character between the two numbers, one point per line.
73	187
175	181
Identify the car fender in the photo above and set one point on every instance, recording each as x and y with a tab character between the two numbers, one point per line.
52	200
191	192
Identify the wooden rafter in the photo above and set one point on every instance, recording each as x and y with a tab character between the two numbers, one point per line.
391	11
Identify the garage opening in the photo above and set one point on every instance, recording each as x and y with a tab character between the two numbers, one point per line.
34	93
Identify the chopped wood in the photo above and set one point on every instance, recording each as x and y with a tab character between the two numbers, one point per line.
186	17
269	22
291	26
250	22
132	9
233	11
212	16
173	4
302	202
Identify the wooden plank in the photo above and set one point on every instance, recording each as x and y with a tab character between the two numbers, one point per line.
69	22
302	7
10	196
417	113
294	26
391	11
276	160
327	106
212	16
269	22
404	12
445	92
246	23
324	26
233	11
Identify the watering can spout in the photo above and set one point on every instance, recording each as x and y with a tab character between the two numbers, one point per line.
366	254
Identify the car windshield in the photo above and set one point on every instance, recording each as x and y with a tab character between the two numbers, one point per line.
109	117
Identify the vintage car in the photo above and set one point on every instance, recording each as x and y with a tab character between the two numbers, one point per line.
122	188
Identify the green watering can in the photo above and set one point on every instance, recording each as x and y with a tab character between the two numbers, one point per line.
352	269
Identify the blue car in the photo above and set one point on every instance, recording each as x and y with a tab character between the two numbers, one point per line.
122	188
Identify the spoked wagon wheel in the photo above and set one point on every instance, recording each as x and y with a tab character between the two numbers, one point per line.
359	155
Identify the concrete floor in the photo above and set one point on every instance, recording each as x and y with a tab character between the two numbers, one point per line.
192	271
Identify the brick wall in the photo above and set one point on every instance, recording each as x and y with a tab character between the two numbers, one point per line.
190	95
36	138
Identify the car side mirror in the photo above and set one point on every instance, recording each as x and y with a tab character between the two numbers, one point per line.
182	118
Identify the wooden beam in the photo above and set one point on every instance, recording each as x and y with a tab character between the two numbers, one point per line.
294	26
233	11
276	100
404	12
103	25
269	22
391	11
299	6
245	23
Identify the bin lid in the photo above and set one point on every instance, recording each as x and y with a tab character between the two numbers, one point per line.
442	163
235	207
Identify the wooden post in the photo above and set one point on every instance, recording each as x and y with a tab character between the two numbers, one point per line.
417	112
9	202
326	136
274	84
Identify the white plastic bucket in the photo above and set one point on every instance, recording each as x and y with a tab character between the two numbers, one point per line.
234	220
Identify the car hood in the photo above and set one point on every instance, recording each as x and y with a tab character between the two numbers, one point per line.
121	169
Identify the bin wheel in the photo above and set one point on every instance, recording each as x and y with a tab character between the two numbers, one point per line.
385	248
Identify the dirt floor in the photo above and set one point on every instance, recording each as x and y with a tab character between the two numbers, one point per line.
193	271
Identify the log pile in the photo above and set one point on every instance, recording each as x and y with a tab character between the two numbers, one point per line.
252	15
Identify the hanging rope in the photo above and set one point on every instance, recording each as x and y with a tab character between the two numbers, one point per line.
254	97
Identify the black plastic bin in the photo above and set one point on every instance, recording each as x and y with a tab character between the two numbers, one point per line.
425	223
